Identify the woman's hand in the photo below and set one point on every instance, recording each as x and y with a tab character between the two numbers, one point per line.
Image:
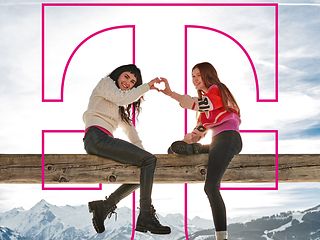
167	90
191	138
153	82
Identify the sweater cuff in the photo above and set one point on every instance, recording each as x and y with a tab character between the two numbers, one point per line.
145	86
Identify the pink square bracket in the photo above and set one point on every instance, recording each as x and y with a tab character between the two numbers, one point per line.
44	187
276	163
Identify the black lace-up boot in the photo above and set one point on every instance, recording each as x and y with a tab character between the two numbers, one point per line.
101	209
181	147
148	221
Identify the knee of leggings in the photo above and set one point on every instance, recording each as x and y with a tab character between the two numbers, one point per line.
151	160
90	149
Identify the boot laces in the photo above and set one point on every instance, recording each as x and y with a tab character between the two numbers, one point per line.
154	216
112	211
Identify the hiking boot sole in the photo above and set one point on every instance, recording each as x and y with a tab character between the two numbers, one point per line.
181	147
92	208
145	229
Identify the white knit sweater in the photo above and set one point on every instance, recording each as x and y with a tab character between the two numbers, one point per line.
103	107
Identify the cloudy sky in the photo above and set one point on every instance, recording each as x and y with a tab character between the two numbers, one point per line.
160	52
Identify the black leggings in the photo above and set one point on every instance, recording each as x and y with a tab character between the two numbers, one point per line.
98	143
222	149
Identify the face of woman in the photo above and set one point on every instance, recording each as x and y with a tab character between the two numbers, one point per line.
197	80
126	81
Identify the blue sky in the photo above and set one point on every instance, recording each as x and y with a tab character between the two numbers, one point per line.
296	116
298	43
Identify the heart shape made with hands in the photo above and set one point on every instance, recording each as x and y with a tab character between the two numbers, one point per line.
160	86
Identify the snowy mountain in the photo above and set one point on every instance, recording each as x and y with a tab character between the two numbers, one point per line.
45	221
8	234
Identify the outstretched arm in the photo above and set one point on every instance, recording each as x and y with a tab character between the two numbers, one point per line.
193	103
107	89
167	91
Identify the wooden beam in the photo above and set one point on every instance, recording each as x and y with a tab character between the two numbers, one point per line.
84	168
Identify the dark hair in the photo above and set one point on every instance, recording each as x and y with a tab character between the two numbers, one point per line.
210	77
126	112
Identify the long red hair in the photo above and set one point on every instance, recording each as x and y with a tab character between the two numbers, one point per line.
210	77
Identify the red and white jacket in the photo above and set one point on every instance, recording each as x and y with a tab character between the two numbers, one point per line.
212	112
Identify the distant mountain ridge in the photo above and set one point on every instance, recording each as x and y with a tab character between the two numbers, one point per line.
304	225
45	221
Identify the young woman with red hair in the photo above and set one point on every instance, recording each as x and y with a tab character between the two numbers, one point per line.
220	113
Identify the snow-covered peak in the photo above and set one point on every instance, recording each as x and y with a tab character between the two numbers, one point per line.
42	204
13	212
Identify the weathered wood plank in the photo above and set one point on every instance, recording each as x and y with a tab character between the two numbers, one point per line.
84	168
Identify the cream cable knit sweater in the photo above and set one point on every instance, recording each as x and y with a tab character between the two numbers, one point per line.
103	107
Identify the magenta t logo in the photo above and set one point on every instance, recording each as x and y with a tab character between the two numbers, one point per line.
197	32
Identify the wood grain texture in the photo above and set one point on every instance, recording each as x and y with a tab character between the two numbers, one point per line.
84	168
